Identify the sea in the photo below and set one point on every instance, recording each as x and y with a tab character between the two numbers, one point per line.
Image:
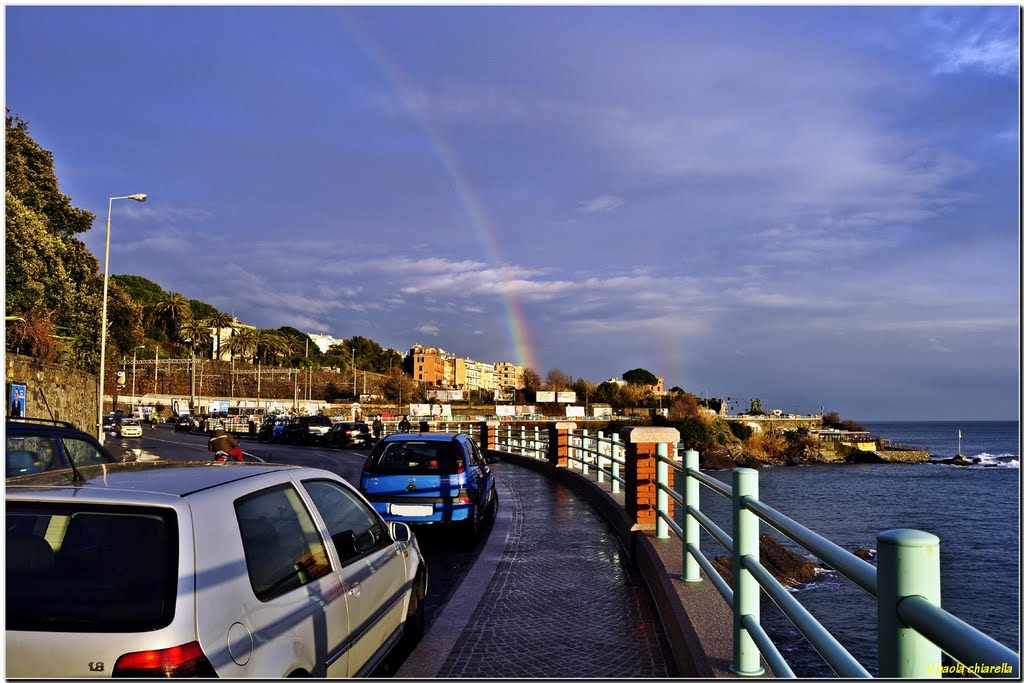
974	510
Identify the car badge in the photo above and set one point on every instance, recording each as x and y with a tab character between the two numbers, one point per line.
410	487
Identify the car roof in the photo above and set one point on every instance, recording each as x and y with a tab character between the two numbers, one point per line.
164	477
423	436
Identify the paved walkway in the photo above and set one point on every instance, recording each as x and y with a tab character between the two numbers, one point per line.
550	596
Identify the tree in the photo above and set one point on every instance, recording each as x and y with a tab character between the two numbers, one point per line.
218	321
640	377
171	310
557	380
244	343
31	179
270	343
400	387
194	332
684	407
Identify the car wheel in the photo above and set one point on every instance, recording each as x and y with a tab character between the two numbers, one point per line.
414	617
492	507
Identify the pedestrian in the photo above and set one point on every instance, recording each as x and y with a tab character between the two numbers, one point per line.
404	426
222	442
152	421
378	427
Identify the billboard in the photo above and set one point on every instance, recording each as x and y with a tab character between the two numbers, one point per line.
566	396
601	411
574	411
445	395
16	400
505	411
545	397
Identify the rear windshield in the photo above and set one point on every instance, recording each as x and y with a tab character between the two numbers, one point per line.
436	457
90	568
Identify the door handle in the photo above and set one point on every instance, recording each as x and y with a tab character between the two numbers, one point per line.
353	590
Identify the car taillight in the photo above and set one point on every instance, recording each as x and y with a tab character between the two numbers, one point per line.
187	661
463	497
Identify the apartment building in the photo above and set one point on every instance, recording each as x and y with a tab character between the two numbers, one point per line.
509	376
430	366
226	333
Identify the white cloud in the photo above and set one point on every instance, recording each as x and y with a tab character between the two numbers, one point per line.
605	203
429	328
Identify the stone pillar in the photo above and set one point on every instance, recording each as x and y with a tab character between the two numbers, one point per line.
489	435
641	470
558	443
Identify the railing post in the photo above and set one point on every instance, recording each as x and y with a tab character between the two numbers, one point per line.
746	658
641	473
616	456
583	454
522	439
661	497
908	564
558	443
536	441
691	527
489	436
600	457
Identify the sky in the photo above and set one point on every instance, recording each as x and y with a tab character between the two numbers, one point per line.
817	207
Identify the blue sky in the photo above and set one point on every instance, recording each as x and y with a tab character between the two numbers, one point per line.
814	206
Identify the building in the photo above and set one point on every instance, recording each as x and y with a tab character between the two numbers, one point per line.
226	333
509	376
324	341
430	366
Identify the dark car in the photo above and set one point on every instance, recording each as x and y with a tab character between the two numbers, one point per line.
184	423
38	445
272	428
348	435
431	477
307	429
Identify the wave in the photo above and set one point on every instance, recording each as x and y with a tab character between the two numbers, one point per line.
1003	460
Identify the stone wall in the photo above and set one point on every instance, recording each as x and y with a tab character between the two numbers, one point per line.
70	394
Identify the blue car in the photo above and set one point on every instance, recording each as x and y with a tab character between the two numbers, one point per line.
272	429
430	477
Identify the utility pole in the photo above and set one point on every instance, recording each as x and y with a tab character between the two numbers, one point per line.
156	372
354	387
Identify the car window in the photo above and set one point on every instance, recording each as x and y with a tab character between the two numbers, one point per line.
82	452
474	456
354	527
428	457
27	454
81	568
283	548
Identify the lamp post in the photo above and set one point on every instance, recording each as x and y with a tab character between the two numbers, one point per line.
103	318
135	357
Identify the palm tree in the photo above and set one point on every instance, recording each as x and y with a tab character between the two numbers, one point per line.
195	332
269	342
244	343
218	321
173	307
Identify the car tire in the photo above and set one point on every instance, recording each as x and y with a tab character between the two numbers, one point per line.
492	506
415	619
471	527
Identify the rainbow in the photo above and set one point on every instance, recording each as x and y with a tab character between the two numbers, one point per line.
472	207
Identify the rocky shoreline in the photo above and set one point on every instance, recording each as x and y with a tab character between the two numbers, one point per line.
727	459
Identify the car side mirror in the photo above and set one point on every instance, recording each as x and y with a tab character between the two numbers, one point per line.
401	532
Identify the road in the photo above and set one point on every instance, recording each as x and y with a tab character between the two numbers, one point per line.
447	560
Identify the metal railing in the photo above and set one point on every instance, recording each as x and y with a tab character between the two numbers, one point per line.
913	630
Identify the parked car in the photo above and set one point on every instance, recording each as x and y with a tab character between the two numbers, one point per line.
204	569
109	423
184	423
348	435
430	477
37	445
129	427
307	428
272	428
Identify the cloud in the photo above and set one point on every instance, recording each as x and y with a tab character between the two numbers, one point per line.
974	39
429	328
605	203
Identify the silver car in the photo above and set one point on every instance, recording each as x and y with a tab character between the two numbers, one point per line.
204	569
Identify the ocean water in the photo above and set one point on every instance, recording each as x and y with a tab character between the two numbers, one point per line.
975	512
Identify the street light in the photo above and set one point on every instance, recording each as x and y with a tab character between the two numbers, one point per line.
135	357
103	319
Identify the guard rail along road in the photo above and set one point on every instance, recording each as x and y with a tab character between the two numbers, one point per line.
637	473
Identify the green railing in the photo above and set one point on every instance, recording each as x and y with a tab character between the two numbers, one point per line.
912	628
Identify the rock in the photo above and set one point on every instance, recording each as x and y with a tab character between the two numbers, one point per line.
960	461
866	554
716	461
791	569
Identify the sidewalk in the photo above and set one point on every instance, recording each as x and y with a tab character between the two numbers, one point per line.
550	596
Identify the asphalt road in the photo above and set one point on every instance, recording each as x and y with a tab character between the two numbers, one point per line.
448	559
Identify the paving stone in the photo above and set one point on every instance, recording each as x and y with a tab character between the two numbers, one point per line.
563	602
